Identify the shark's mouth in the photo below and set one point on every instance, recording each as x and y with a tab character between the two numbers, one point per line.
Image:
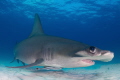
88	61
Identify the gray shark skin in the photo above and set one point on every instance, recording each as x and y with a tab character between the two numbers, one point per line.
40	49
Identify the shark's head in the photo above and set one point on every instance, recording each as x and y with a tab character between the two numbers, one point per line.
94	53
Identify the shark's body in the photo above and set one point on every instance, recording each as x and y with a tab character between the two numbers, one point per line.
44	50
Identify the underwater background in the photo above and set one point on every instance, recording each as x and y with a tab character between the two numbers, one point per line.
94	22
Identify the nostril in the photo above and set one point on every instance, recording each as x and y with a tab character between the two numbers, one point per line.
104	52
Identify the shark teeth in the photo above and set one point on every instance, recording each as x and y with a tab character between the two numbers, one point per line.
88	61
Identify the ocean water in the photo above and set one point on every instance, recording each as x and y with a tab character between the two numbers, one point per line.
93	22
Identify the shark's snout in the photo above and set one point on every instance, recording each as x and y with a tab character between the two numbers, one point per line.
94	53
107	56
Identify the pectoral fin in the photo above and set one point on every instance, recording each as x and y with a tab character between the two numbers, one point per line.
30	65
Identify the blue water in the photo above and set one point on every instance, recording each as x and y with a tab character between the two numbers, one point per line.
94	22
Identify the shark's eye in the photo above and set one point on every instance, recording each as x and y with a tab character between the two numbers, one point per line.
92	49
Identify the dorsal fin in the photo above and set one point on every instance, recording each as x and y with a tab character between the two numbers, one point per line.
37	28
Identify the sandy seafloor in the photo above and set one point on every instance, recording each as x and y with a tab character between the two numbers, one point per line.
99	72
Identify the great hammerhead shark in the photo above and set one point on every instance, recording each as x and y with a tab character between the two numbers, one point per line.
40	49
